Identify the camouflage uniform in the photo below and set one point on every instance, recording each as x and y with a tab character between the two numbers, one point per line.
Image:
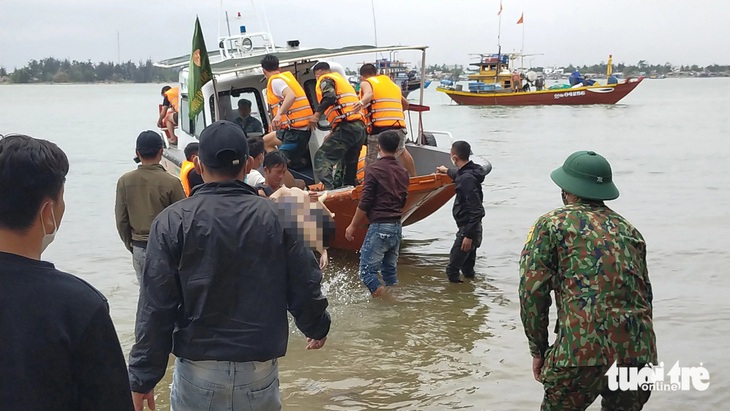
340	151
595	263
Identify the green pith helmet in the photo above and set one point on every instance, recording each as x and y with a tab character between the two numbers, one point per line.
586	175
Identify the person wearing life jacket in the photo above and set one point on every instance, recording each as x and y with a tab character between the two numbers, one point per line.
168	112
290	112
337	101
189	176
382	105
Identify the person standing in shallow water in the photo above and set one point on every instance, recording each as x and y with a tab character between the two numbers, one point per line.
141	195
58	348
594	261
220	276
468	211
384	194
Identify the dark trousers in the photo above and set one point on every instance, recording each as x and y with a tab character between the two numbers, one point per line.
463	260
341	150
576	388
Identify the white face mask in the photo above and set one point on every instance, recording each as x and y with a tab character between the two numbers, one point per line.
48	237
453	160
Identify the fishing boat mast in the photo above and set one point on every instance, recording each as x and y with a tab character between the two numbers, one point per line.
499	44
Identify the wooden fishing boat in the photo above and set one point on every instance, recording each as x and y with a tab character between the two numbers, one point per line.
492	86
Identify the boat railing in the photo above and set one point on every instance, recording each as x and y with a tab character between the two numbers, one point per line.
444	139
245	44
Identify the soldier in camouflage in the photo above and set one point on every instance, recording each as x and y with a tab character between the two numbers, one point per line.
595	263
335	163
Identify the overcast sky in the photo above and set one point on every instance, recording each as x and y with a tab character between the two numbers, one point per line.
563	32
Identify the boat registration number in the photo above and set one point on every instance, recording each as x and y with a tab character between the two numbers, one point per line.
570	94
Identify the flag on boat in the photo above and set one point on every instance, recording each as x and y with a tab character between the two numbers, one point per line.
500	8
522	18
200	72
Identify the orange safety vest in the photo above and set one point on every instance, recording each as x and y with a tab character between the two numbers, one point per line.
299	112
173	96
187	166
386	108
346	98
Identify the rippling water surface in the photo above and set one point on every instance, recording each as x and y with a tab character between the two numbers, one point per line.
435	345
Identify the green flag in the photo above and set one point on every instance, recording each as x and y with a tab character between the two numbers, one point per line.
200	72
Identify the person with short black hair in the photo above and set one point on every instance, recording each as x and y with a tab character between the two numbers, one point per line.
169	112
337	101
274	171
248	123
383	103
141	195
290	130
189	176
256	152
468	211
59	349
221	274
384	194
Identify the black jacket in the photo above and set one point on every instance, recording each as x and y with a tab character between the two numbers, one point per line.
220	274
468	209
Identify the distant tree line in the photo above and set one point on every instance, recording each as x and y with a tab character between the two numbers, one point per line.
641	66
51	70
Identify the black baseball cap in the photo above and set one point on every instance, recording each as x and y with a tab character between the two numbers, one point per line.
223	144
148	144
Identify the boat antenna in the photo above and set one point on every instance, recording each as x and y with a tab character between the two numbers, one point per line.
499	43
375	26
522	51
499	27
228	24
266	23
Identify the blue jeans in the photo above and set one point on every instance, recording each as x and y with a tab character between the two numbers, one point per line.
379	253
223	385
138	256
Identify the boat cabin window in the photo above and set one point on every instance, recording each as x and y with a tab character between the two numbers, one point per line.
191	127
310	90
229	108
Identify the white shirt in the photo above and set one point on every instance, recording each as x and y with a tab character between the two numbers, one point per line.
278	86
254	178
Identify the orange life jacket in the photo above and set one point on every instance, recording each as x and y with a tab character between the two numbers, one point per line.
173	96
386	108
187	166
300	111
346	98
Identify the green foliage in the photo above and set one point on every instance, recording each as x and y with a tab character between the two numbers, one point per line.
51	70
642	66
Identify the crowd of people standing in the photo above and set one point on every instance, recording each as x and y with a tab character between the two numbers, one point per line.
219	274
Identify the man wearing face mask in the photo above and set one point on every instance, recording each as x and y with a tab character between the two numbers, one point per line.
141	195
58	349
595	263
468	211
221	274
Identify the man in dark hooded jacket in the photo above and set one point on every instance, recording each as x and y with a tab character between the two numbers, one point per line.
221	273
468	210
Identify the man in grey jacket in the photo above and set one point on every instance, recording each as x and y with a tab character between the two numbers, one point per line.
220	274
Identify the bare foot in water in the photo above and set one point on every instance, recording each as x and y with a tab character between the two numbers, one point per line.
379	292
